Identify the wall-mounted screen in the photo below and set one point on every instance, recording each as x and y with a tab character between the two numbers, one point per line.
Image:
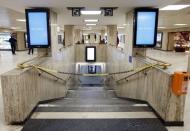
91	54
38	32
145	27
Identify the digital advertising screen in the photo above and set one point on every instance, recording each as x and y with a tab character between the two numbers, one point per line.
37	21
145	27
91	54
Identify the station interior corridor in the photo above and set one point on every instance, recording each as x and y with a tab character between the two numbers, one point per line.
91	101
79	65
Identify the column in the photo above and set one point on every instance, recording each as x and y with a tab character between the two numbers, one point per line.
129	40
188	69
112	34
54	41
102	34
77	36
21	43
69	34
92	38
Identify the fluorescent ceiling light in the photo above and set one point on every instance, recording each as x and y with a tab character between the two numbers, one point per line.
180	24
120	27
90	24
175	7
161	27
90	12
15	28
53	24
21	20
91	20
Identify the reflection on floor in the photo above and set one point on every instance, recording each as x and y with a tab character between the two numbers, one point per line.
92	109
178	60
8	62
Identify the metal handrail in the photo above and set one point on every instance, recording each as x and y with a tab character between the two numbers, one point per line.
40	70
163	63
138	71
65	47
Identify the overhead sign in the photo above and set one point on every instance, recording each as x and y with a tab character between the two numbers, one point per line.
145	27
38	32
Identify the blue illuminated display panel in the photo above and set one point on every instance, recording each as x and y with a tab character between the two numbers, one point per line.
38	32
145	27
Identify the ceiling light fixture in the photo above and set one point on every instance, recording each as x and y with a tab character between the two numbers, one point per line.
21	20
175	7
91	20
161	27
120	27
15	28
90	24
180	24
83	12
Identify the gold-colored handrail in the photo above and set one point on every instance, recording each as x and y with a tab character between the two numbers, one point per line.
65	47
137	71
163	63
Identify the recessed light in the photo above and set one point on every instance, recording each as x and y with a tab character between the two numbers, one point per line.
91	20
180	24
90	24
83	12
120	27
21	20
175	7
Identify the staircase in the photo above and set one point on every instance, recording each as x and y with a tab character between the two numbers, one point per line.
93	109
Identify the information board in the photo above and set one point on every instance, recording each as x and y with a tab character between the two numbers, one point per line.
37	21
91	54
145	27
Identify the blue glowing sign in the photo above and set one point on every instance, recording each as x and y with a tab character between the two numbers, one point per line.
38	28
146	23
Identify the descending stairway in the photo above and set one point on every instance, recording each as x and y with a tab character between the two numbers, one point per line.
93	109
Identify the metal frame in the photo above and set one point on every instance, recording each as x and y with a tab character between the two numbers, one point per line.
44	10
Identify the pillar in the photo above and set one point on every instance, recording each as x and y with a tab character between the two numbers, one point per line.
21	43
77	36
54	41
102	34
69	34
129	40
112	34
188	69
92	38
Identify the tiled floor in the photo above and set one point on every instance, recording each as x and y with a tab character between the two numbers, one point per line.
179	61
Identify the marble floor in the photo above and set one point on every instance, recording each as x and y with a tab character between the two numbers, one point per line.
178	61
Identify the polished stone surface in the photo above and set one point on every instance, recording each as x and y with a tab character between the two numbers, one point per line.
8	62
93	99
178	60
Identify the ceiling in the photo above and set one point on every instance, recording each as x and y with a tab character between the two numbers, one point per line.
10	11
